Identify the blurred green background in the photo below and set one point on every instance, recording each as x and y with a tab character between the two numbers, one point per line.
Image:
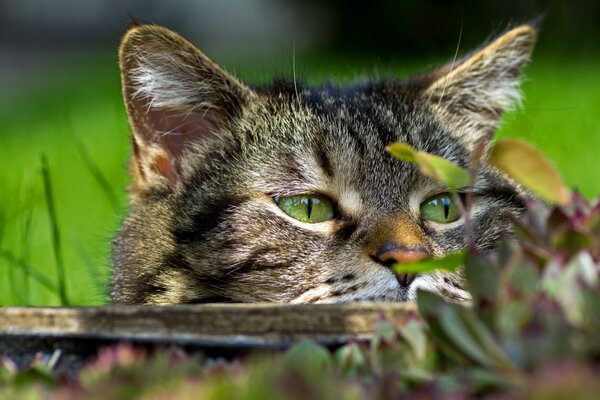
60	99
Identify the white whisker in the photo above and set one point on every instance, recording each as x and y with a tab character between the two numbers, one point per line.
451	65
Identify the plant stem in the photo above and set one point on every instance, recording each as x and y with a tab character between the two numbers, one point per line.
97	174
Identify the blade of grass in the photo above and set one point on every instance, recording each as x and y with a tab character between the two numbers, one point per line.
11	278
60	270
2	224
29	270
97	278
25	253
97	174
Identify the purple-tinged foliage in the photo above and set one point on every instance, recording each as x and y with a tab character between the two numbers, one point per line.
530	331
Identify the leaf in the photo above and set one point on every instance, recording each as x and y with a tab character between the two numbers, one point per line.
414	333
8	369
484	380
443	170
573	241
482	277
402	151
384	333
566	283
431	306
436	167
308	354
472	337
416	376
525	164
449	262
459	333
350	358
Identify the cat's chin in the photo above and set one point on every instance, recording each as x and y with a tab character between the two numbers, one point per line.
388	296
437	283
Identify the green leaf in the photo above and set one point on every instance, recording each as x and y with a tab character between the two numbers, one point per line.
485	380
351	358
8	369
472	337
436	167
414	333
385	332
449	262
565	284
443	170
482	277
402	151
309	354
573	241
431	306
525	164
416	376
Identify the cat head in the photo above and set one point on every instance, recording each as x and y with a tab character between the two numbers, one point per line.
285	192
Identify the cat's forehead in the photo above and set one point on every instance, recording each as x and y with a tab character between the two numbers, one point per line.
330	139
374	113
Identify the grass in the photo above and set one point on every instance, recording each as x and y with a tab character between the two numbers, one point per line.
75	117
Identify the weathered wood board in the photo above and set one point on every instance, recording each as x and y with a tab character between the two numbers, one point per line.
219	328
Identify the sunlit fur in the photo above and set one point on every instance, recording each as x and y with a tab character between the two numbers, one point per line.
203	225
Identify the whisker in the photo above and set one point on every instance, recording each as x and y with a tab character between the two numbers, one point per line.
452	65
294	71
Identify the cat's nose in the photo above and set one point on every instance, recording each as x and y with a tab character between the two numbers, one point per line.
392	253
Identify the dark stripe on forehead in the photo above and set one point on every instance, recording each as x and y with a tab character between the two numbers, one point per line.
502	192
385	135
359	141
499	188
323	159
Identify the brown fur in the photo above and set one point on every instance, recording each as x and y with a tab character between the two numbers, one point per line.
210	154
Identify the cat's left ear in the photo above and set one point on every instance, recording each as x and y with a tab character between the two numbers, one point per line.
470	95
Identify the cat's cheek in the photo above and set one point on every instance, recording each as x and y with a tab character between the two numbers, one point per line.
370	283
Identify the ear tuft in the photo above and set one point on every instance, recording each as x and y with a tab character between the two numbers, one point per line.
471	94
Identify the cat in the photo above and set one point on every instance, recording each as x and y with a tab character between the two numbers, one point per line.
285	192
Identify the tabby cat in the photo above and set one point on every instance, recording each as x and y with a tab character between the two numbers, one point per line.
285	193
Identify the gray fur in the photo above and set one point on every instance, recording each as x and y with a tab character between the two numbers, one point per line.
208	228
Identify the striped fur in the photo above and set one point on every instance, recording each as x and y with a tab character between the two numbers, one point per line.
211	153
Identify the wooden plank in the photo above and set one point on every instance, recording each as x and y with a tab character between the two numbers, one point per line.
204	324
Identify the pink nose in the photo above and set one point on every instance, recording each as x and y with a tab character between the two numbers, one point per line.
402	256
391	253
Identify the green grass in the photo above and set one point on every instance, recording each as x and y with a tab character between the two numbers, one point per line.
75	119
560	116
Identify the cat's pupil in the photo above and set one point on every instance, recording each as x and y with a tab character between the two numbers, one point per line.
446	203
309	207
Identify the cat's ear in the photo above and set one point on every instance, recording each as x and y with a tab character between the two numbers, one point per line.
174	96
471	94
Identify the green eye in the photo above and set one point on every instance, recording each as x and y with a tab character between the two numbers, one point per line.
305	208
440	208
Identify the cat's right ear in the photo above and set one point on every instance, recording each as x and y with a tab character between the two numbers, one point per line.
469	95
174	96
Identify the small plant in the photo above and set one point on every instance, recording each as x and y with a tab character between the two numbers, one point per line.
530	331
